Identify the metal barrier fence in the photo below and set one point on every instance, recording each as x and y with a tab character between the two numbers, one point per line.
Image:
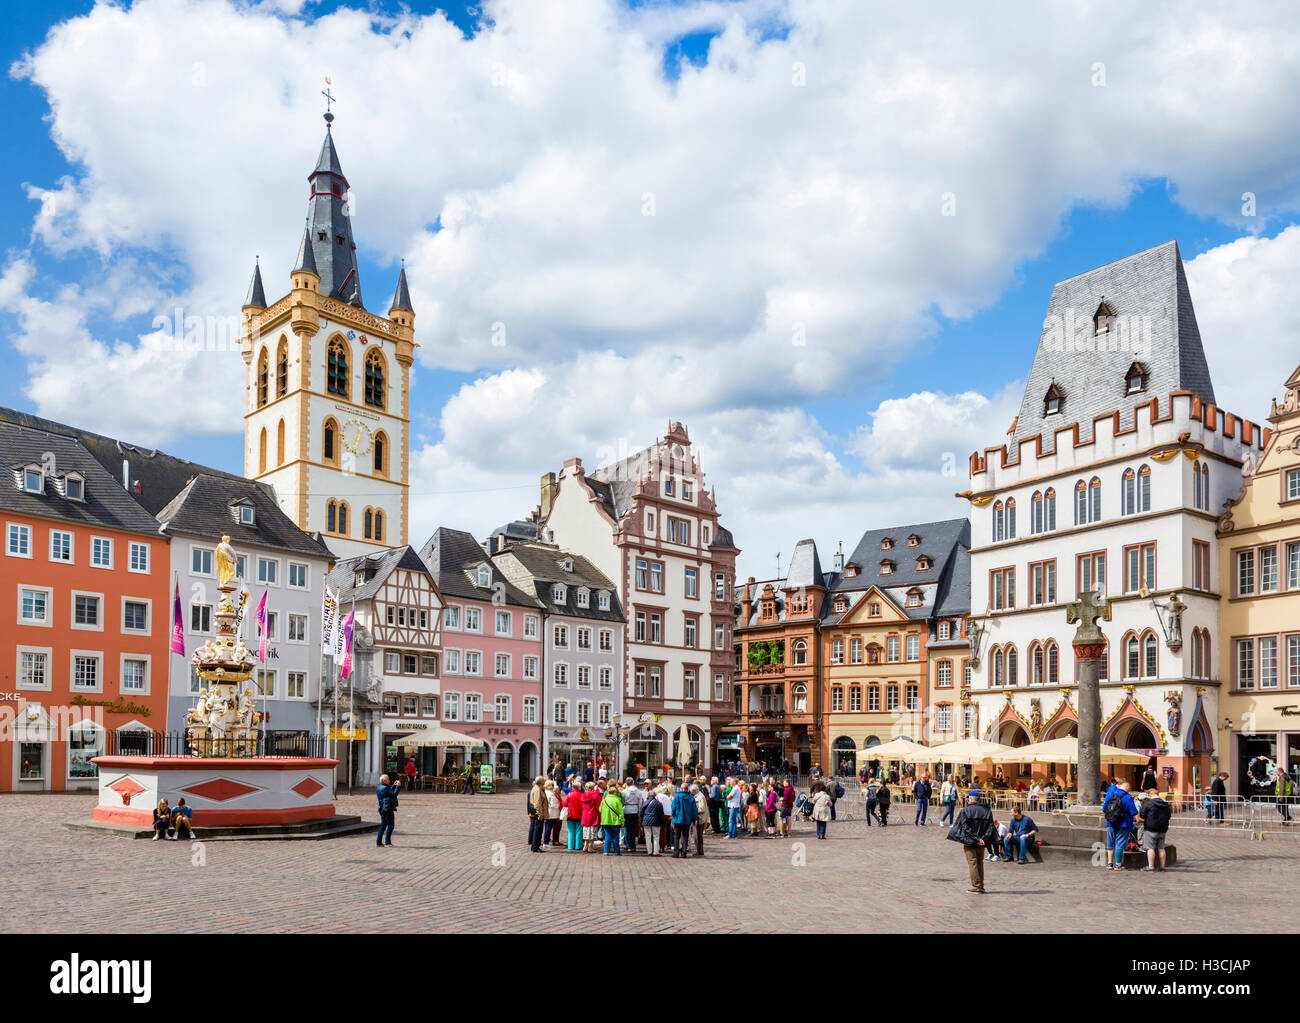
1259	817
178	744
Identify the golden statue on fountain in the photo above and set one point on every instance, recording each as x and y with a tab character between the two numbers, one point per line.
224	723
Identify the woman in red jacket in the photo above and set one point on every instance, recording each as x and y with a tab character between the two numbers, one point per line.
590	801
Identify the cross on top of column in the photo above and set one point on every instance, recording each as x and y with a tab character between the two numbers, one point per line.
1086	611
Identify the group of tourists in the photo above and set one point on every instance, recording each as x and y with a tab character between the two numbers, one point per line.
664	815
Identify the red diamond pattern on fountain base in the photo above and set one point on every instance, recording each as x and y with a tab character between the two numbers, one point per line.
308	787
220	789
126	788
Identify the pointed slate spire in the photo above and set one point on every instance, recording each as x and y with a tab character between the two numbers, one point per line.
306	257
402	294
256	294
330	227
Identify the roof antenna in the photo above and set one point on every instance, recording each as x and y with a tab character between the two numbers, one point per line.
778	564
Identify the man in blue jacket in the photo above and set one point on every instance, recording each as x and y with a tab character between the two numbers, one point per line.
922	791
1120	812
685	814
387	795
1022	835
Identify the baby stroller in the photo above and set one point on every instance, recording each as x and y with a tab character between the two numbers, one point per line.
803	806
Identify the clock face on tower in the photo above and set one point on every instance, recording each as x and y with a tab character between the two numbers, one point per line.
357	437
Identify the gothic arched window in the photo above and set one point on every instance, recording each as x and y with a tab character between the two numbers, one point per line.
330	442
374	393
337	379
282	369
262	362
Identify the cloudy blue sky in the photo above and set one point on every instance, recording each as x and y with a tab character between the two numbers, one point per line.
728	213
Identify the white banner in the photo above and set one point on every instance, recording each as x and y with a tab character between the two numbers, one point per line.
241	606
329	624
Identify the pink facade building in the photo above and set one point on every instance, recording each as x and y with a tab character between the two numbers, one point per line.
492	657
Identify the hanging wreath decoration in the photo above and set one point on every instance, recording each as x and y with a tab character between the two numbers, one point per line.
1267	772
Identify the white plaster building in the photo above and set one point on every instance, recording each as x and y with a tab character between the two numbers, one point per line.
649	523
1112	477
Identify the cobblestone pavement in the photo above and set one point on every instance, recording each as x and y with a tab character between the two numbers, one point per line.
461	863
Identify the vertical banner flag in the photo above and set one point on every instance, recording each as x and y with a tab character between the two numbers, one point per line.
178	624
329	617
340	634
240	608
261	627
346	670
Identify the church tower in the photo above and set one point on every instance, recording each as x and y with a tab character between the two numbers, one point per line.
327	409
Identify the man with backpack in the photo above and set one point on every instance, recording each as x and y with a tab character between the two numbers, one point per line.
1120	812
1155	816
836	791
870	791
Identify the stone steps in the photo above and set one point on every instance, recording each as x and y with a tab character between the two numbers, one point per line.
326	827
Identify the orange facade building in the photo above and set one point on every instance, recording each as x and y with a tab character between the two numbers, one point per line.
85	613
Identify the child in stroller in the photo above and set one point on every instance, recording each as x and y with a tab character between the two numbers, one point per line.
803	806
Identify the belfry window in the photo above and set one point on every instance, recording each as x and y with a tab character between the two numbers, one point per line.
374	394
337	379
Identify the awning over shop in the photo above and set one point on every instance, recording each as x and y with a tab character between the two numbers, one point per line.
438	736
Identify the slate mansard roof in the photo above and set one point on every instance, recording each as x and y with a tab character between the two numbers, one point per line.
204	508
374	570
106	503
161	476
540	565
453	555
944	586
1153	323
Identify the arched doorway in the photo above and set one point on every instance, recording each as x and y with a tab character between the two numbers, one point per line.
1012	733
527	761
503	761
1135	735
843	756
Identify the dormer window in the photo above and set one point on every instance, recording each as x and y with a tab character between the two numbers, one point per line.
850	570
922	563
886	567
887	544
1135	381
913	598
945	630
557	594
74	487
584	598
913	541
567	564
245	514
602	601
484	575
1102	319
1053	400
33	480
841	605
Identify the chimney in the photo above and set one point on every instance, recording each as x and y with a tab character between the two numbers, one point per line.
126	474
839	558
747	602
548	493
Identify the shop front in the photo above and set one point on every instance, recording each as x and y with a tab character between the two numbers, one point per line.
513	751
396	756
578	746
646	749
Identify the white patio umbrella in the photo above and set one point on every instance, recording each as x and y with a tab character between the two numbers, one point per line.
896	749
1065	750
965	751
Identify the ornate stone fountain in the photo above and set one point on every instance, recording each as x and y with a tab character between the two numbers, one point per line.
224	722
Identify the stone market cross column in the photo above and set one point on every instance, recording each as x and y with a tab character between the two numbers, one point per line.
1089	649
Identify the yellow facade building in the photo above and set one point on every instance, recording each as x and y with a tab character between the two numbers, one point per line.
1259	659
